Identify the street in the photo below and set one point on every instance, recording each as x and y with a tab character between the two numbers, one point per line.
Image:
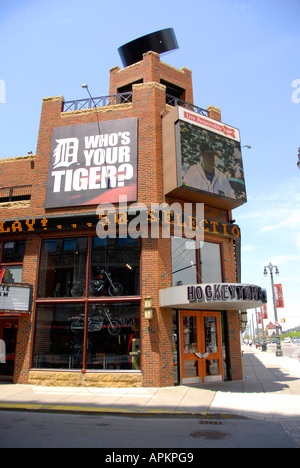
289	350
50	430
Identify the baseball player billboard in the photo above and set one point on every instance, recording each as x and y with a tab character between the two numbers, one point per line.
209	154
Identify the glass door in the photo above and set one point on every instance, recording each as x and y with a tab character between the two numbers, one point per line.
201	347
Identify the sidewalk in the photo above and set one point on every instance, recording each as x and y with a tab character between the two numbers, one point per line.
270	390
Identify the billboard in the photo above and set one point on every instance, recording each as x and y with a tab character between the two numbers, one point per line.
93	163
209	158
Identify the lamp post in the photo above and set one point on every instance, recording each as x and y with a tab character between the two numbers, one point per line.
271	267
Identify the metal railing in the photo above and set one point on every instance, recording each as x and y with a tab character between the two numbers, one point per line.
125	98
173	101
103	101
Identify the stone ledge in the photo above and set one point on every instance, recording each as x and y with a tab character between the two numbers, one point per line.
90	379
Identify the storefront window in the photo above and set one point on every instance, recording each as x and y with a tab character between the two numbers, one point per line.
12	260
13	252
63	268
186	258
210	263
111	329
58	341
114	267
113	337
184	264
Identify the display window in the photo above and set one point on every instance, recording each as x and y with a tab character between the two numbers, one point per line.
113	337
93	322
114	267
56	346
63	267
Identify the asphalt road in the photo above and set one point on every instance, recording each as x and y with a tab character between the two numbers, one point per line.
289	350
113	433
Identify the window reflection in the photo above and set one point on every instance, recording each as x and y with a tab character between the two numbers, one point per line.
186	258
210	263
184	265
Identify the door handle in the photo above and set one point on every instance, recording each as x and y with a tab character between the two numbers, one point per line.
200	356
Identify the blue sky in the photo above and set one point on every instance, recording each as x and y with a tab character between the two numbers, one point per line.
245	58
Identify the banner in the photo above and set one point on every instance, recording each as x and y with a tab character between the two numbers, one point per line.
93	163
265	311
262	314
279	296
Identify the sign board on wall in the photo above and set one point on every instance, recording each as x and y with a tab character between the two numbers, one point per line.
15	299
88	167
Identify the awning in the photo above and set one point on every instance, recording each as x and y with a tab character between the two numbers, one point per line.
215	296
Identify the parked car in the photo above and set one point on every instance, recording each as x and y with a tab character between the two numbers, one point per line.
287	340
296	341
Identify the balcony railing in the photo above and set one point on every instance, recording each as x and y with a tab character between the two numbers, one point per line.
103	101
125	98
173	101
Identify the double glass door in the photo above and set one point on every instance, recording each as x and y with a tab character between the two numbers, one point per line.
201	347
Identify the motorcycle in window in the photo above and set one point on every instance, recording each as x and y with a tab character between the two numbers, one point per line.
100	318
101	282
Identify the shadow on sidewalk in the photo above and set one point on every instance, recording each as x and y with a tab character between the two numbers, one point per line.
258	379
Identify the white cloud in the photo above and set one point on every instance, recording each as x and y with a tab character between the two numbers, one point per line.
242	6
249	248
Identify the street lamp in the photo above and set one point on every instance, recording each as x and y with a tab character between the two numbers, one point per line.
271	267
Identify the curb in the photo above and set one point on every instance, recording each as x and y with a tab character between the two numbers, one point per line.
103	411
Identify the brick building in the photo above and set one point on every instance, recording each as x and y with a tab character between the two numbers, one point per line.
145	305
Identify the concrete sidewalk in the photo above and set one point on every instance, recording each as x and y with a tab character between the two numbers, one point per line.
270	390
